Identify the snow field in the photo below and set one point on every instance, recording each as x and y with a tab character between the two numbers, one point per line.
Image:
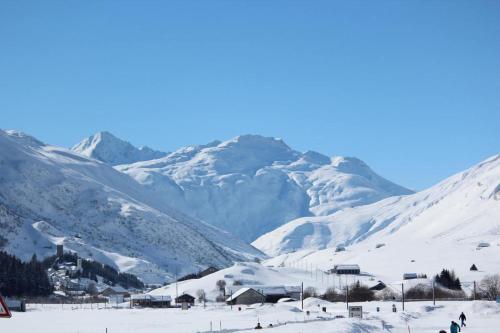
421	317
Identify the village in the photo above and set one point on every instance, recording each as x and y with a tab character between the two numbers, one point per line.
254	295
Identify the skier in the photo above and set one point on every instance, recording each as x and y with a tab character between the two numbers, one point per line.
462	319
454	328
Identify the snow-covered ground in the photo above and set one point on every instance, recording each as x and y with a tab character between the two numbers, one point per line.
441	227
421	317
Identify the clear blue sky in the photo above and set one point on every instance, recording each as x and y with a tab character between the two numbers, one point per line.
411	87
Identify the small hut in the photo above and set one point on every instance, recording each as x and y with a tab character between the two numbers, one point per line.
185	298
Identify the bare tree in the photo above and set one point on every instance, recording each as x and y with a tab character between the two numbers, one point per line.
490	286
92	289
221	285
310	292
200	294
331	295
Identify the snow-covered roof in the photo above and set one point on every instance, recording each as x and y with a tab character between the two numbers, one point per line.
152	298
117	288
349	267
266	290
240	292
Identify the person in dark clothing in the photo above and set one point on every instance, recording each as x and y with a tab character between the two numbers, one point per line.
454	327
462	319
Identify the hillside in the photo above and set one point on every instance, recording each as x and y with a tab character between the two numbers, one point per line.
405	233
250	185
50	195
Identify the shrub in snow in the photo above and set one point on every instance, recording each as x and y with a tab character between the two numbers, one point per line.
310	292
360	293
200	294
220	298
418	292
443	293
331	295
473	267
387	294
424	292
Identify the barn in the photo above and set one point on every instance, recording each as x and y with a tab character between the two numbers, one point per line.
271	293
246	296
151	301
185	298
410	276
346	269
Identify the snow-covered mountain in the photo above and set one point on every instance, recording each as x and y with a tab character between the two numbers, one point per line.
50	195
442	226
107	148
251	184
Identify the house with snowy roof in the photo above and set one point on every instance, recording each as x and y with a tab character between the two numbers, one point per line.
271	293
151	301
246	296
346	269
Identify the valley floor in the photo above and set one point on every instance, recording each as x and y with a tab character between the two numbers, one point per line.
286	318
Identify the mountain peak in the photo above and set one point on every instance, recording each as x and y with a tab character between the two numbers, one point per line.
256	141
349	164
107	148
24	138
248	153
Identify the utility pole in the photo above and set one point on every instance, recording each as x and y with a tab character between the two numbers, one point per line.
302	295
433	293
474	290
176	288
403	295
347	296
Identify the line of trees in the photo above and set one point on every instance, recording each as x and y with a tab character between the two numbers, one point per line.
19	278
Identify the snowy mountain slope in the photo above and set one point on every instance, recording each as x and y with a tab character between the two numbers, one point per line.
246	274
251	184
105	147
439	227
49	195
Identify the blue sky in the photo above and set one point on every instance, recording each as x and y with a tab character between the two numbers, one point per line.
411	87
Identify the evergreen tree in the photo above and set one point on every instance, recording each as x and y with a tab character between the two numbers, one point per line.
448	279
